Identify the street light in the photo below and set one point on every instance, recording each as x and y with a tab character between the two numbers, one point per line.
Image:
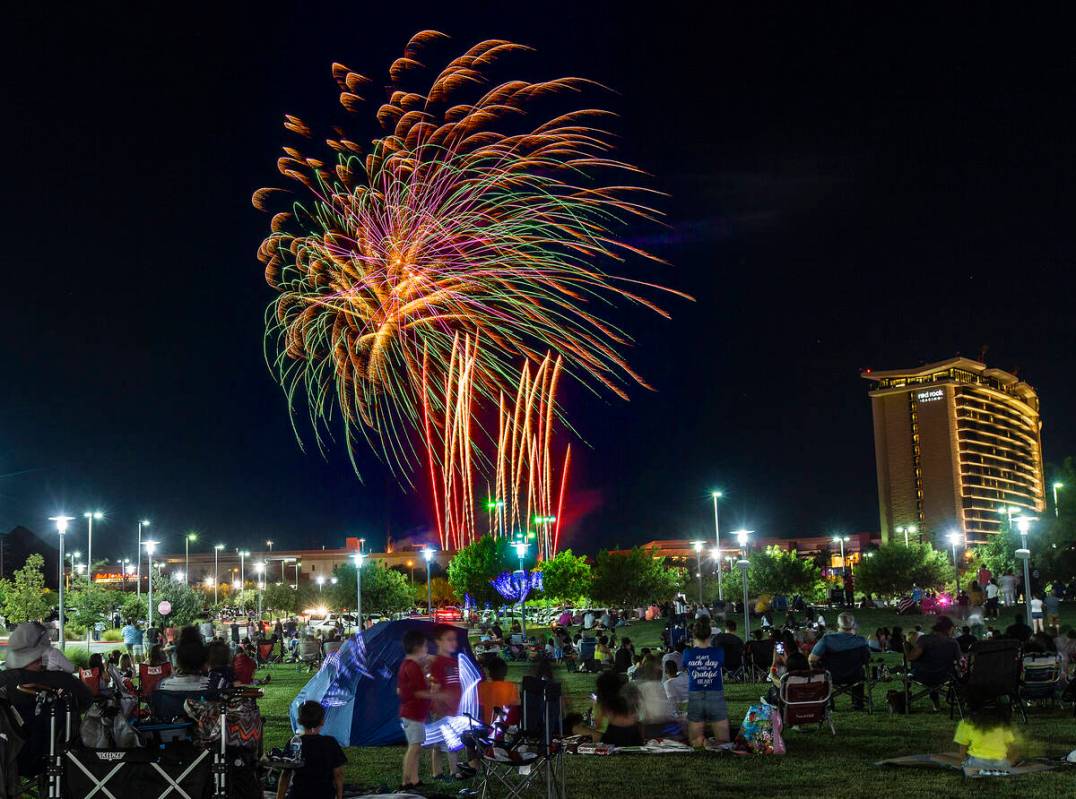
216	570
362	542
521	550
179	577
698	559
150	547
1057	487
243	555
716	495
259	569
427	553
1023	524
840	539
954	539
269	544
191	536
359	558
74	567
298	565
743	563
138	570
61	529
320	581
90	516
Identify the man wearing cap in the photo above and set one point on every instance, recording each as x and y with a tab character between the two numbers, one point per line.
27	653
934	656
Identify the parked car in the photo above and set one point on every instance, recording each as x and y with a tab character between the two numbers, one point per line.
447	615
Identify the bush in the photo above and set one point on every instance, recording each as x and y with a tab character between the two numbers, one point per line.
78	655
112	635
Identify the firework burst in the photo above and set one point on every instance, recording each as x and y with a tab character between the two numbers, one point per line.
464	215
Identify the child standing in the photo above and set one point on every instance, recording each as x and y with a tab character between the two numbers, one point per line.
322	774
445	680
705	690
415	696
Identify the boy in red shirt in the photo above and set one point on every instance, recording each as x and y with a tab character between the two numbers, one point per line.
415	696
445	678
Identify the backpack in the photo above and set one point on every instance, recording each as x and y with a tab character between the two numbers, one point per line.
760	733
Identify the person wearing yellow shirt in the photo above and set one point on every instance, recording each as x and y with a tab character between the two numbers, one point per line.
986	738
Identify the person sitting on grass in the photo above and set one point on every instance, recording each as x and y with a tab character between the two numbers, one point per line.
986	737
617	704
322	773
675	684
706	695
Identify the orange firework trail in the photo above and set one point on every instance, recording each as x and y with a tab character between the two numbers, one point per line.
469	213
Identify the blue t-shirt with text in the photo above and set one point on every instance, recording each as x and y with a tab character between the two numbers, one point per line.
703	667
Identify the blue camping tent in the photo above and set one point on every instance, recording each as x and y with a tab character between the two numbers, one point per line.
357	686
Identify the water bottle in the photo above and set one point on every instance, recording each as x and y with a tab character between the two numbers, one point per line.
295	748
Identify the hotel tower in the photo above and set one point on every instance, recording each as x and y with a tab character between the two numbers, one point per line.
958	448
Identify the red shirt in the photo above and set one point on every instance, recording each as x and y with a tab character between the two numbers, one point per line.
408	681
445	671
243	667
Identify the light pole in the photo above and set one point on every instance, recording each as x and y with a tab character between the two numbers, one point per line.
138	570
427	553
1023	524
216	570
362	543
698	560
521	550
320	581
360	556
743	563
269	544
61	528
191	536
259	570
954	539
717	543
298	565
123	571
90	516
243	554
150	547
1057	510
74	566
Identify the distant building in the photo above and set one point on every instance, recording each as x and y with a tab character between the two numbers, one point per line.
681	551
958	448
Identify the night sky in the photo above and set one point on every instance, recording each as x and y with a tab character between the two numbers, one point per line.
845	192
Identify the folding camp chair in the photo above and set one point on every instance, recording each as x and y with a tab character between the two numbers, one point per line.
758	657
91	678
1041	678
993	675
805	699
917	686
850	675
265	653
149	677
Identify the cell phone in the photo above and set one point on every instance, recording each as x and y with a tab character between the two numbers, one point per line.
779	647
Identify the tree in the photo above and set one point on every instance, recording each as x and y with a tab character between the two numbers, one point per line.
566	577
24	595
188	603
384	590
91	603
632	579
475	565
894	568
281	597
777	571
999	552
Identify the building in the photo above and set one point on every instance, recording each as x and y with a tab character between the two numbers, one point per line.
681	551
958	449
285	566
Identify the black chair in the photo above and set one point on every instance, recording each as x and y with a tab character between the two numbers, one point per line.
758	657
920	682
994	671
850	674
733	647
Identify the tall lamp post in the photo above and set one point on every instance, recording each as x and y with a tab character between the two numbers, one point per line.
61	528
1023	524
138	570
320	581
906	529
1057	508
954	539
216	570
427	553
243	555
698	560
90	516
743	563
191	536
359	558
150	547
521	551
259	570
717	543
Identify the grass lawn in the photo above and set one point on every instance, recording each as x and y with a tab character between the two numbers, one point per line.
816	765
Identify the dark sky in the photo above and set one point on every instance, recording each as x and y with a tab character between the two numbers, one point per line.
846	191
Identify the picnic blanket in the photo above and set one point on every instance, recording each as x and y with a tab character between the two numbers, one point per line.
952	760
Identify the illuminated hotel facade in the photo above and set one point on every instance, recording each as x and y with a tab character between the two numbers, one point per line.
958	448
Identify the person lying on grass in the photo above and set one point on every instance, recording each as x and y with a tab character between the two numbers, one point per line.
322	773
